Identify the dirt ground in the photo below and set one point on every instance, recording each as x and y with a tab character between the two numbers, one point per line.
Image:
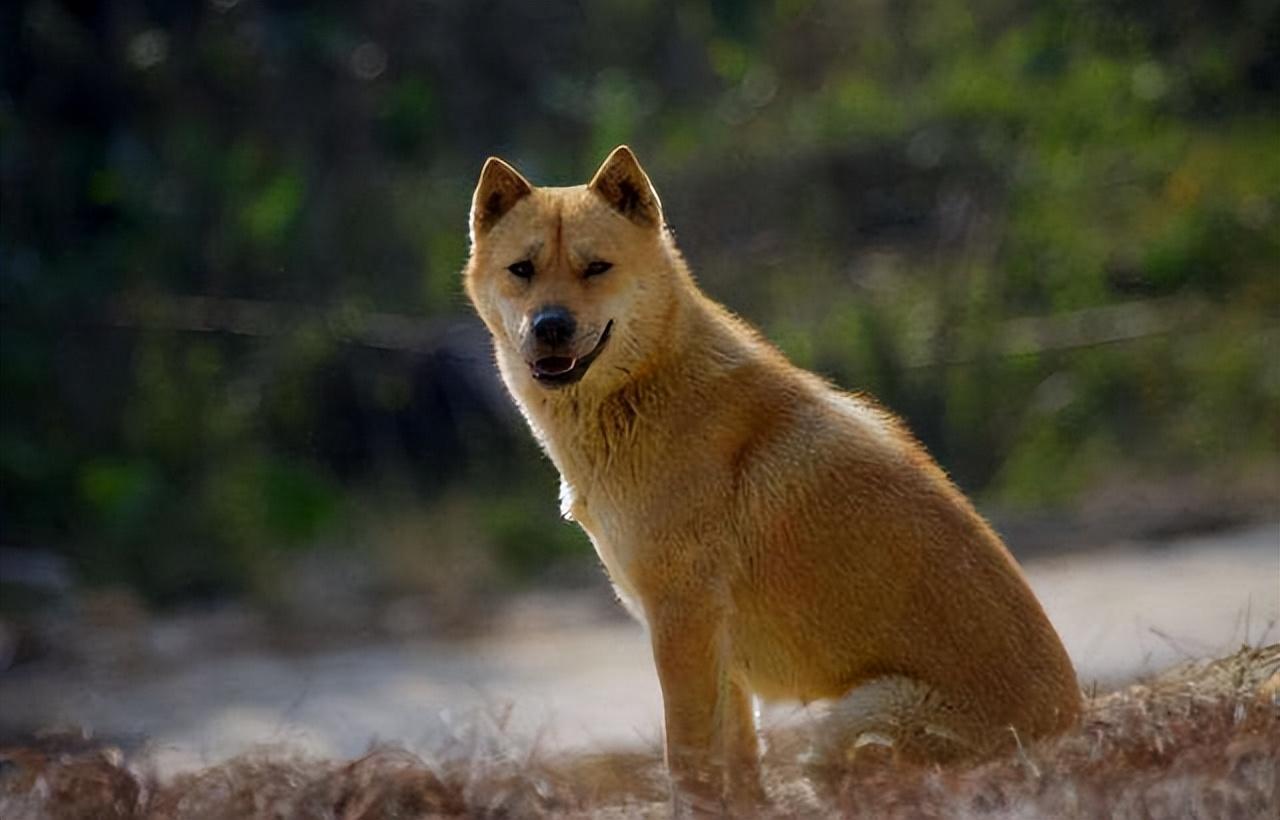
562	673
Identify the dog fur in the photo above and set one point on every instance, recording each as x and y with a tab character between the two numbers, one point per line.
780	538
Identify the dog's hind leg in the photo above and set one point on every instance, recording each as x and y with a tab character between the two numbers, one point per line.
908	716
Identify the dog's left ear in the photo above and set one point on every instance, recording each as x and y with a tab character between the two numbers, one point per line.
624	185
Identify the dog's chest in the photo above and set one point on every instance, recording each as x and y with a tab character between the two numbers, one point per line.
610	536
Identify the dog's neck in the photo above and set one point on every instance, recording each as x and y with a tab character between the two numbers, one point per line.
585	429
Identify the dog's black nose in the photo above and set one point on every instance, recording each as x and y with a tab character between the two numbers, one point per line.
553	325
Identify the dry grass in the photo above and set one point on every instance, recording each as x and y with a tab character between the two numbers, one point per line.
1200	741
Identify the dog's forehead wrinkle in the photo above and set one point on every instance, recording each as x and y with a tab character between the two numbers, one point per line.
558	248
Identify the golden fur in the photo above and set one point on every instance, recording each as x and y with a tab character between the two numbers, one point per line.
779	538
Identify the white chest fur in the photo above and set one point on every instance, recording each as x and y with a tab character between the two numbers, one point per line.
603	526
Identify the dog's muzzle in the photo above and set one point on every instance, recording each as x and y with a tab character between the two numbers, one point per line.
559	371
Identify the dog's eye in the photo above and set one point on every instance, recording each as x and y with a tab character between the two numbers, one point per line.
597	268
523	269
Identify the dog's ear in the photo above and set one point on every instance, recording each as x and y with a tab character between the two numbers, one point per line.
500	187
624	185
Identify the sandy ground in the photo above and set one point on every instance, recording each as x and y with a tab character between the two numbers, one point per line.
561	674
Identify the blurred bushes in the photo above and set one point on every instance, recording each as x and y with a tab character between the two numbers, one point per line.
1047	233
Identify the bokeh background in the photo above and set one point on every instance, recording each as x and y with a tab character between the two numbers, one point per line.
238	371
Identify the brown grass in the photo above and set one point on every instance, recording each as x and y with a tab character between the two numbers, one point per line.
1200	741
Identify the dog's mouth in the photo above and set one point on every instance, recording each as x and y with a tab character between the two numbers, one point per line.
558	371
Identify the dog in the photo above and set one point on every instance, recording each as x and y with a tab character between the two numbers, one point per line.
780	538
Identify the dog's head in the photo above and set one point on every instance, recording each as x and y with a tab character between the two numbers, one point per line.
568	280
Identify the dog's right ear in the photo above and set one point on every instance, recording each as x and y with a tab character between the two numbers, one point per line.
499	189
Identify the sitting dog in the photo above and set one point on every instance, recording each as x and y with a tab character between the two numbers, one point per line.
779	537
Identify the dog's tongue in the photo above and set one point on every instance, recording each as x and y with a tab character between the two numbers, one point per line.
555	365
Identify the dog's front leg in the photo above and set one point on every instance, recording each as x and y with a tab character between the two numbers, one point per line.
742	748
711	741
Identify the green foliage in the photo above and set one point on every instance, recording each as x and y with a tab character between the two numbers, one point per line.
945	204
